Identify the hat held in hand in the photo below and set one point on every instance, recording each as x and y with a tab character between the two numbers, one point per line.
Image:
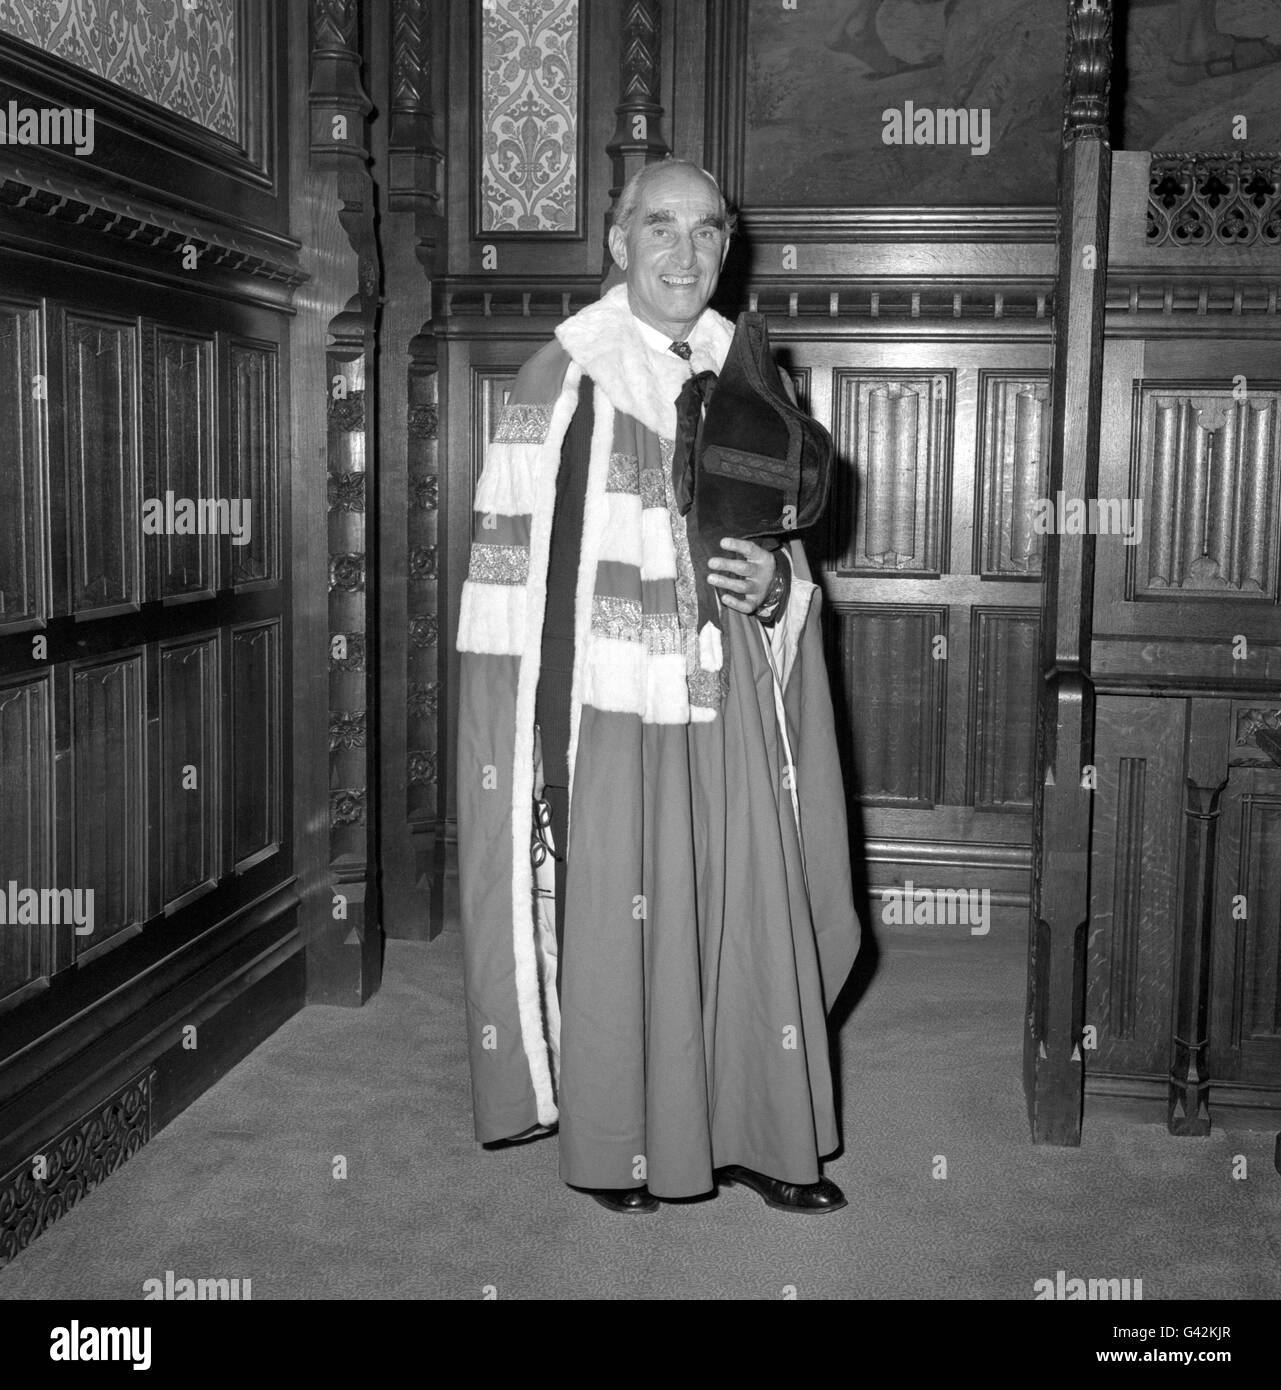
758	467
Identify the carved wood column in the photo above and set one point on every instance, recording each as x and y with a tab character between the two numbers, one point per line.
637	138
408	160
1053	1070
344	951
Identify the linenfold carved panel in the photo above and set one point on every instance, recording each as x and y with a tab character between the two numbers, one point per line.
108	747
103	463
1013	466
26	818
185	58
190	772
895	429
894	692
1210	478
23	478
529	116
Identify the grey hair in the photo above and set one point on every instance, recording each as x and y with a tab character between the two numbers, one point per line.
629	197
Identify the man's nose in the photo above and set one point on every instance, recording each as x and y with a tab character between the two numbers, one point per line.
683	251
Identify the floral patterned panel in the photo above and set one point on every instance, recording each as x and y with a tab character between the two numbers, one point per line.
182	58
529	116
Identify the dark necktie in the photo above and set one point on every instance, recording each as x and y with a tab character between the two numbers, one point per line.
681	350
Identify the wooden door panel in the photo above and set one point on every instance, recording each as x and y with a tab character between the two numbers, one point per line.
253	465
185	561
1014	451
1003	724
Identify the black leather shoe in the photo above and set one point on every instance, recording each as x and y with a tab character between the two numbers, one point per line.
812	1198
526	1136
623	1199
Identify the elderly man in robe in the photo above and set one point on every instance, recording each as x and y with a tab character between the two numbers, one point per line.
654	868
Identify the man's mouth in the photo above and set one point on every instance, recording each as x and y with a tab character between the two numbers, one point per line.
679	282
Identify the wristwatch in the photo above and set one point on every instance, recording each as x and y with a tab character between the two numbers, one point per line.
775	600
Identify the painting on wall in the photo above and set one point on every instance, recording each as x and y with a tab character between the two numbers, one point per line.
878	103
1194	70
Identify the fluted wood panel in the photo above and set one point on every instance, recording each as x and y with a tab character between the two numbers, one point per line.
108	757
189	775
1014	457
255	741
1211	507
187	564
24	585
892	430
252	460
102	444
26	819
894	688
1004	708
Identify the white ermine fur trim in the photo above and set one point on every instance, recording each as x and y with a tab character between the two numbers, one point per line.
658	554
710	655
530	1000
491	619
639	381
508	480
595	513
614	675
667	690
622	537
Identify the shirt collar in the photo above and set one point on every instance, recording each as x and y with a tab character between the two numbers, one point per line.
651	337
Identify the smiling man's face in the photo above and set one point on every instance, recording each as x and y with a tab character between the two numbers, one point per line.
672	251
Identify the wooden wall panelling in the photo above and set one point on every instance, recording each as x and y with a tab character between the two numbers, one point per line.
1053	1069
256	772
1136	845
26	824
249	373
187	792
24	482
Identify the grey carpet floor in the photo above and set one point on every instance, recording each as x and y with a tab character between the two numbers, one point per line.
242	1185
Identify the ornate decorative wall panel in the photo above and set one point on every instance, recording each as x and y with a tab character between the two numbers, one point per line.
252	463
184	460
1014	454
529	116
183	58
1211	509
895	429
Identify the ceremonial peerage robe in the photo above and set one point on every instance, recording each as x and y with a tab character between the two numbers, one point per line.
708	917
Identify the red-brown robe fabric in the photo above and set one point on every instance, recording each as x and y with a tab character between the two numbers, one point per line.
704	937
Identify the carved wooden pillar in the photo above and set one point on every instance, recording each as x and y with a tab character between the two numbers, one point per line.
1053	1072
1206	773
409	215
344	957
637	138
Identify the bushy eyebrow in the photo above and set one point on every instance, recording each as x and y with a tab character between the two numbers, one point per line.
710	219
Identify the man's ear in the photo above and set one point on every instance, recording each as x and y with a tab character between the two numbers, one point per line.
618	246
